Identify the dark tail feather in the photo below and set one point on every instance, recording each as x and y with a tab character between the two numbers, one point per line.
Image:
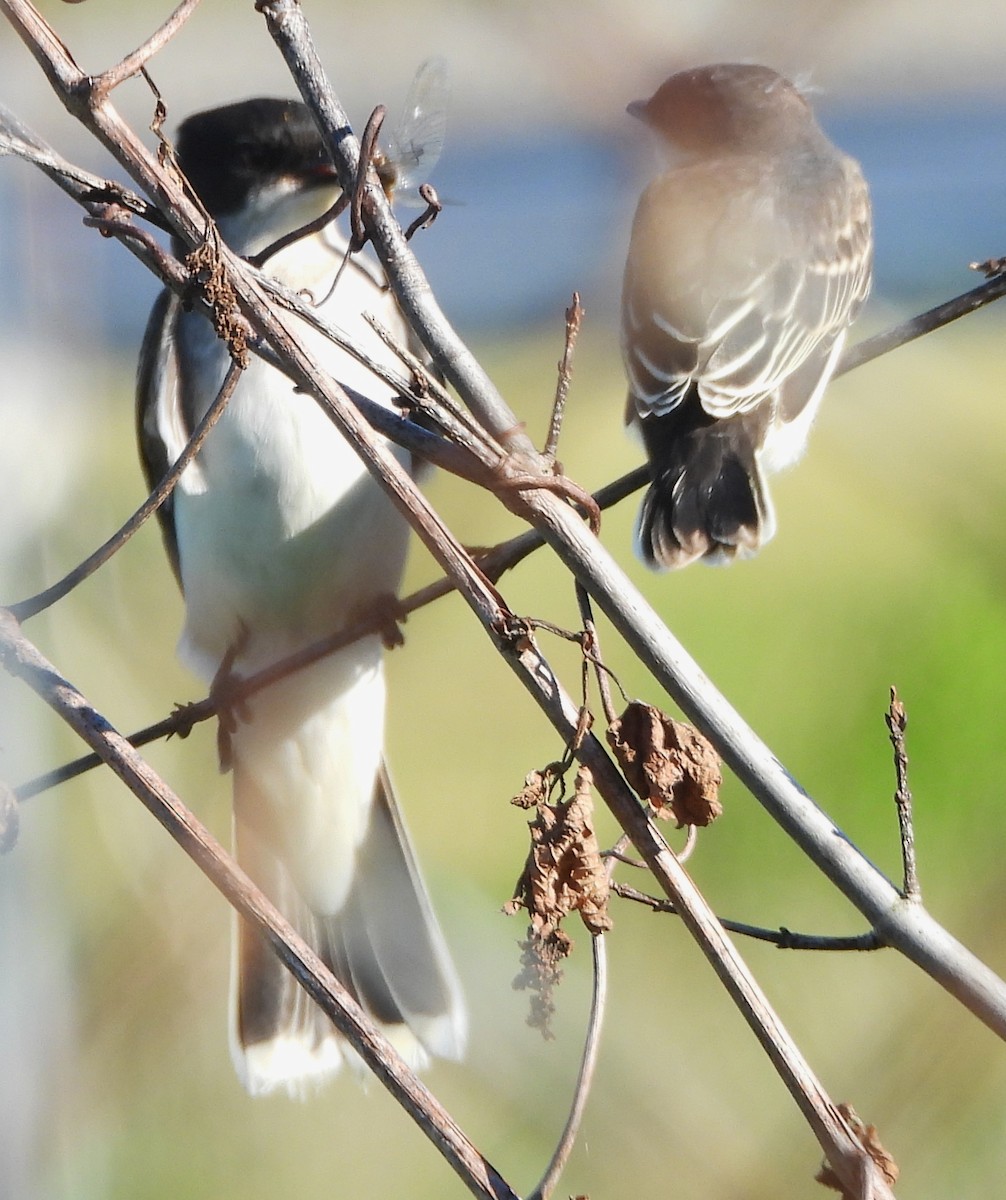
708	499
388	941
384	945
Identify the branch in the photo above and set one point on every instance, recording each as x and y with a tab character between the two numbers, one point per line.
588	1064
915	327
22	660
493	564
574	318
288	27
784	938
35	604
897	723
94	194
134	63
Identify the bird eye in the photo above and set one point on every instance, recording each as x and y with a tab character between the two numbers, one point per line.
248	154
258	157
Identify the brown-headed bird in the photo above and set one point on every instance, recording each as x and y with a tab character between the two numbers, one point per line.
751	253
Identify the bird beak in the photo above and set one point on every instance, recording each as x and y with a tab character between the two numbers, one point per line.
322	172
637	109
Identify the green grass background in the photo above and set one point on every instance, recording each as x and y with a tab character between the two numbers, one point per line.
888	568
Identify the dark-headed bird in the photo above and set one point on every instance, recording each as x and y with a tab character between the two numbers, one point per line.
279	536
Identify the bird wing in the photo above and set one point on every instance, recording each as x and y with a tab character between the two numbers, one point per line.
734	281
163	427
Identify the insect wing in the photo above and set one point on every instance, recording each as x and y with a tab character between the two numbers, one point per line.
418	139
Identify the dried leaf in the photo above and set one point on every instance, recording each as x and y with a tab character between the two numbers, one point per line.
669	764
536	789
867	1137
540	974
564	873
207	270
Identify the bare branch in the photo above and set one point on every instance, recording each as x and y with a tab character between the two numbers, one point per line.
784	938
35	604
919	937
22	660
288	239
134	63
592	653
915	327
897	723
588	1065
493	563
574	318
366	161
288	27
426	218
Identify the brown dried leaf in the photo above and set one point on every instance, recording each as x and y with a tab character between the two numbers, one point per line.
668	763
867	1137
535	792
564	873
207	270
540	974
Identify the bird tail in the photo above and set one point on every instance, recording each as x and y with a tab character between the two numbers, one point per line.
708	499
357	899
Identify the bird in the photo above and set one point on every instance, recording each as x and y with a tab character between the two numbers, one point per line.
750	255
279	536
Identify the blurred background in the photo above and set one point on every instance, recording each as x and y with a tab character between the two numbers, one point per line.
889	568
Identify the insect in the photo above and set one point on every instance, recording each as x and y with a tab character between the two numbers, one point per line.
415	144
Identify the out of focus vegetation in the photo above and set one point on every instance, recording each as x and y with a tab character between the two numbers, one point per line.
888	568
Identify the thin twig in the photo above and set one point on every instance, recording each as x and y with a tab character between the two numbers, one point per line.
454	417
897	723
368	153
626	859
691	841
592	650
588	1060
115	220
426	218
784	938
493	564
180	724
296	235
24	609
574	317
915	327
585	1076
84	186
134	63
92	192
514	485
